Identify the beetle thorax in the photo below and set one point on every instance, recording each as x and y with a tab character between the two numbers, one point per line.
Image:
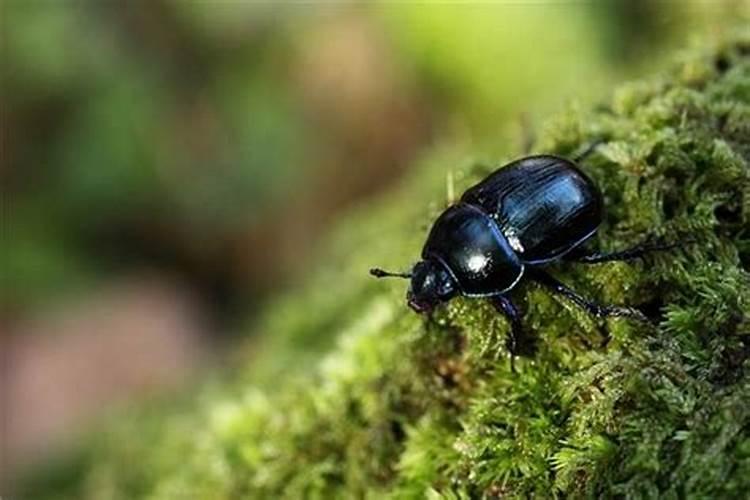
469	244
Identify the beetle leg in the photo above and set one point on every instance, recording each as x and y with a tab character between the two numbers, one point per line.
506	306
597	310
589	150
517	341
635	252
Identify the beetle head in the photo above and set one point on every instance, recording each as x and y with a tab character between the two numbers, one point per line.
430	285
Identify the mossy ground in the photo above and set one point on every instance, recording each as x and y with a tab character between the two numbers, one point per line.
352	395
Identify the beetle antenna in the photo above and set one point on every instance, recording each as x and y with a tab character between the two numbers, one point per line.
379	273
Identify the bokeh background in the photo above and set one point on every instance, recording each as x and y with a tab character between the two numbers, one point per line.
170	166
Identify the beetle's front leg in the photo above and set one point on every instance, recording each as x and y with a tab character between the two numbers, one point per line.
517	341
507	308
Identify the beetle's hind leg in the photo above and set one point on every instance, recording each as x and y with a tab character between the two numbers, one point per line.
588	150
635	252
598	310
594	309
517	342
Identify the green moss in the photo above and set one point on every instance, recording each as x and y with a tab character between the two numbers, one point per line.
351	395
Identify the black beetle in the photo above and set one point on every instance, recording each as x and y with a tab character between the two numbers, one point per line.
531	212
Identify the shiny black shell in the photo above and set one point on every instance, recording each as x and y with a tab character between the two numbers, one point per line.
533	210
469	244
544	205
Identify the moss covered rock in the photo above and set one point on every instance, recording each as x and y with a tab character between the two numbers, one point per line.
352	395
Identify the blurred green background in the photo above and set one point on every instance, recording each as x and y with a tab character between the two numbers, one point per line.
168	166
